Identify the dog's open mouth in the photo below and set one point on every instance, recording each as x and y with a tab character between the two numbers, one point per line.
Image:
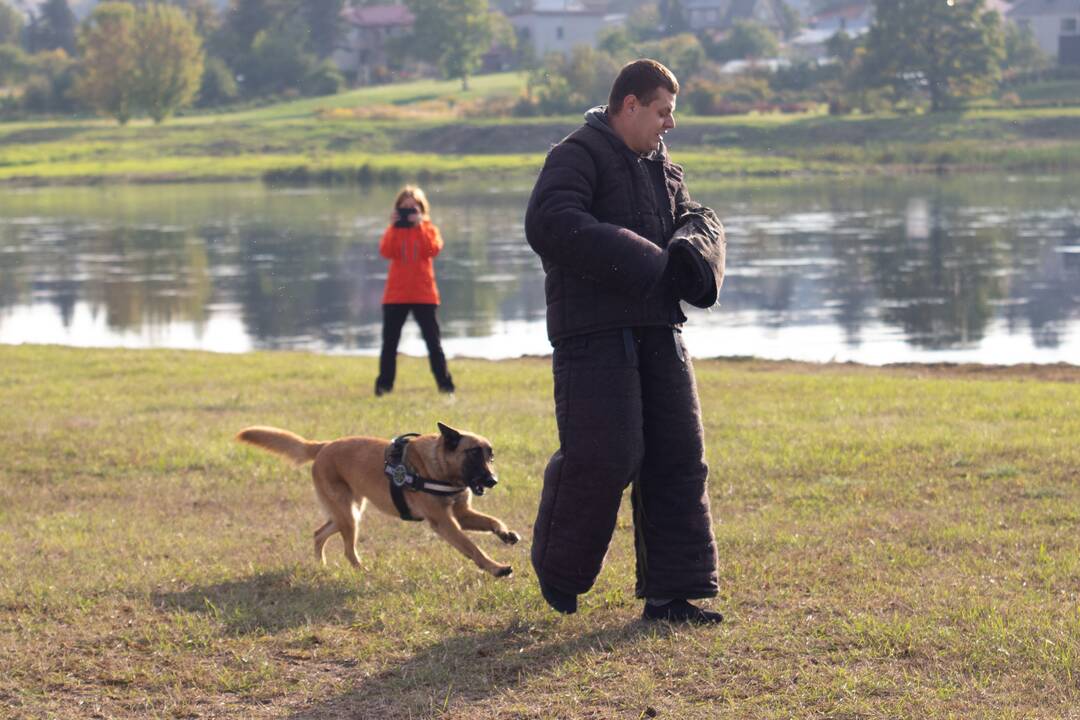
479	483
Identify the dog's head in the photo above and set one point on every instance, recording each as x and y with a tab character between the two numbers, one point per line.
468	457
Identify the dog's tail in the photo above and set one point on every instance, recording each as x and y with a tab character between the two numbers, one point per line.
282	442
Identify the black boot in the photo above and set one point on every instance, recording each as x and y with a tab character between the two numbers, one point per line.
681	611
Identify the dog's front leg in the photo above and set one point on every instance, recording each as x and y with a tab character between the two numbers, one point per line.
448	529
472	520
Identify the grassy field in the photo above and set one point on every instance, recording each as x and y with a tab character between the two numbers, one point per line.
433	128
893	543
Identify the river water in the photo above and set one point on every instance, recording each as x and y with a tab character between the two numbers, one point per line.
916	269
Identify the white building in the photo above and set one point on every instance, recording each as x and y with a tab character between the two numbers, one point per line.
1055	24
559	25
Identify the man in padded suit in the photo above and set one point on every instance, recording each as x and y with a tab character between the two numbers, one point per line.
622	243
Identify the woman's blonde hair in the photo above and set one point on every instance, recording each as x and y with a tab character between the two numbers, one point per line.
412	191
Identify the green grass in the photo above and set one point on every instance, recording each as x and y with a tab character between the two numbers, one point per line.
1062	91
893	543
510	84
440	130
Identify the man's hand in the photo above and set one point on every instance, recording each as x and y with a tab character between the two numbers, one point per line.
682	274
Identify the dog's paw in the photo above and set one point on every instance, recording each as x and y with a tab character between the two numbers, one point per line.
509	537
504	571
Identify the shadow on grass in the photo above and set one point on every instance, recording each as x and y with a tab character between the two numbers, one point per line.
266	602
468	668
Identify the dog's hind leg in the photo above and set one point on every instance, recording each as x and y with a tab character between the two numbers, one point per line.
472	520
343	512
348	524
321	536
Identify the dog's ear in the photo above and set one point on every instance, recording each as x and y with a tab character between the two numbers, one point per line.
450	436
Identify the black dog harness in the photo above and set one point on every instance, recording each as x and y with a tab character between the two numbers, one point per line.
402	479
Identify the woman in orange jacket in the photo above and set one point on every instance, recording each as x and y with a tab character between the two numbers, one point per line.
411	244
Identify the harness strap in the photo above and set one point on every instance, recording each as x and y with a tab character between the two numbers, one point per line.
402	479
397	494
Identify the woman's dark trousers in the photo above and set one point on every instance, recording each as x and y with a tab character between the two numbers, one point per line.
394	315
628	414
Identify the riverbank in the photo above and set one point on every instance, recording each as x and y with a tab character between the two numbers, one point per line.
393	133
897	542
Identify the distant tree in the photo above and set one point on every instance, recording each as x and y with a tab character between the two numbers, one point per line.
170	60
747	39
51	79
790	20
503	32
203	13
645	22
323	17
11	25
954	47
1022	51
615	41
109	61
275	45
247	18
217	86
324	79
842	47
572	84
14	64
54	27
452	34
682	53
277	61
672	17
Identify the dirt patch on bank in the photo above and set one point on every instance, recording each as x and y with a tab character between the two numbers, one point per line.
1054	372
468	139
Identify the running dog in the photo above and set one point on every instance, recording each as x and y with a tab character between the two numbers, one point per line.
416	477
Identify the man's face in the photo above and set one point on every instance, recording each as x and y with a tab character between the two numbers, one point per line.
646	124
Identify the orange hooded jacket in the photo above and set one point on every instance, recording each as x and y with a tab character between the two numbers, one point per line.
412	273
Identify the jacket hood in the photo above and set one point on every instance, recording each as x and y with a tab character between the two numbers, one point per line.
597	118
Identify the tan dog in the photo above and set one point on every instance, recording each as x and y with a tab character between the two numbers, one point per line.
351	471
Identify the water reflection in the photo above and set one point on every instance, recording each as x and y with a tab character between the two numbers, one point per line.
981	269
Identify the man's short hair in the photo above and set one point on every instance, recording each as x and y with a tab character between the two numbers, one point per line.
641	78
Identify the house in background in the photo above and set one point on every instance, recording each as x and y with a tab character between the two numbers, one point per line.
853	17
720	15
364	49
558	25
850	17
1055	24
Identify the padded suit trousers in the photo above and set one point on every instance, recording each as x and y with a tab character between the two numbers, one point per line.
628	414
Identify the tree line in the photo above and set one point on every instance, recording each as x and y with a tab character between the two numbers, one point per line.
133	57
932	53
152	58
136	57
